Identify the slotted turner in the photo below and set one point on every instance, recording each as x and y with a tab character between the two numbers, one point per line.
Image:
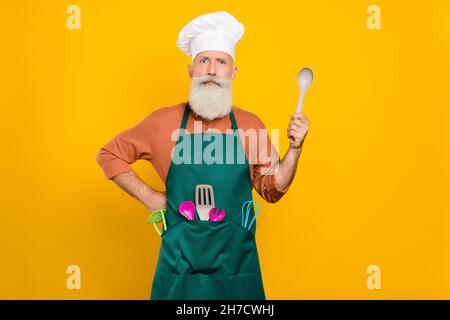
204	200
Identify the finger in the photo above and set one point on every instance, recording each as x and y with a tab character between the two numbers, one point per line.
298	116
290	133
299	131
299	122
294	134
292	123
304	125
303	119
295	127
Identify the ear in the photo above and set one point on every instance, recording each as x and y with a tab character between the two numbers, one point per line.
233	75
190	70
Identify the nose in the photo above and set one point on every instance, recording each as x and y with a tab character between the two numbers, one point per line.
211	68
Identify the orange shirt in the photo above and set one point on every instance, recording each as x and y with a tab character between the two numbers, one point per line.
151	139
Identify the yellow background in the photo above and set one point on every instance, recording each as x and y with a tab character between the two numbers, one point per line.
373	180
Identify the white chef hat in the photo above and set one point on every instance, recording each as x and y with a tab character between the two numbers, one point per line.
217	31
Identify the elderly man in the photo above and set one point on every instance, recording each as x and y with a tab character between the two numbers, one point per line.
201	258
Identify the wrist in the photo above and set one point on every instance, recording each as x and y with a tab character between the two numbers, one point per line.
295	151
156	200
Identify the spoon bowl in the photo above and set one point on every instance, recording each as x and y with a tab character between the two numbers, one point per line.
304	80
187	210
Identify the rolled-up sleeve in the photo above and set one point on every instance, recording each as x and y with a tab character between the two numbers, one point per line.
266	160
126	148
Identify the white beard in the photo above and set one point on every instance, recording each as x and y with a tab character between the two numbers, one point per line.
210	101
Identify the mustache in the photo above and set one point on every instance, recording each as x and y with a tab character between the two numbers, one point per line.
205	79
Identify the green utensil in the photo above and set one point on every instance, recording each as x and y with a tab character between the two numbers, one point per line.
157	216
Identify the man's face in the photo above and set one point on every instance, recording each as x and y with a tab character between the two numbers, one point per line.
213	63
211	75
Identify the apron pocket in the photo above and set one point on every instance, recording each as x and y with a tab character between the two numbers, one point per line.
208	247
208	287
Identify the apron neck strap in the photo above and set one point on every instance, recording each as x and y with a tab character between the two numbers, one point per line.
186	115
233	121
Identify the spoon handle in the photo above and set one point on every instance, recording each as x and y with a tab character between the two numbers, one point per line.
300	102
299	109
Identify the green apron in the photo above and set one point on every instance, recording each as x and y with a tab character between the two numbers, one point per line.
207	259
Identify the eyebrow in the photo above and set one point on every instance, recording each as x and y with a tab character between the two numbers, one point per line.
205	57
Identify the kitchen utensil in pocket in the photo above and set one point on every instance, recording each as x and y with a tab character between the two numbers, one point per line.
204	200
216	214
157	216
187	209
247	206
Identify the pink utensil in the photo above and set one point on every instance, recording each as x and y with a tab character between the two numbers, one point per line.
187	209
216	214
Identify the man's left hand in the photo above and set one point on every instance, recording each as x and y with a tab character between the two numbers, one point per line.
297	129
